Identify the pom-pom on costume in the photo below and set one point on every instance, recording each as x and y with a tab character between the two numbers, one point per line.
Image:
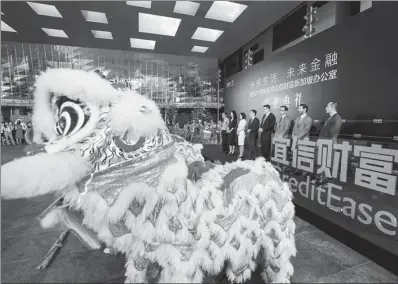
146	193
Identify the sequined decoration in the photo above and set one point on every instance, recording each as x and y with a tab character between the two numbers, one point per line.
153	217
235	243
172	190
214	238
150	247
136	207
253	238
192	228
209	203
174	225
194	206
109	183
240	269
186	252
210	254
274	238
119	229
140	263
226	221
255	216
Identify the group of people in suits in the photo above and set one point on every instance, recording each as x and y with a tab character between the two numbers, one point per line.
268	126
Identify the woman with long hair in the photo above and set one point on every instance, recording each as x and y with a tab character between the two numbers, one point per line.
242	126
232	132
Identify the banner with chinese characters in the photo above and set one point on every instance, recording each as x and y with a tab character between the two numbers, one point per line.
351	183
345	63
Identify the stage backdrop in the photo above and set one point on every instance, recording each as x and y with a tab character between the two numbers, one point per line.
354	63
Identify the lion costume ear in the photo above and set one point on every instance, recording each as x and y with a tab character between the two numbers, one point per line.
133	114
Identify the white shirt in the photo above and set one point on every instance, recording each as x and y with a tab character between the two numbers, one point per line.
302	116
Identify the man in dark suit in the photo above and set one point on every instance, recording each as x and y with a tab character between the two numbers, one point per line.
331	128
283	126
252	137
224	135
266	129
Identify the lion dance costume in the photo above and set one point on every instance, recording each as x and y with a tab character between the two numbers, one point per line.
146	193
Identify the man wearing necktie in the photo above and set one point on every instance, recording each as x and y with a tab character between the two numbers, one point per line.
283	126
252	136
266	129
331	128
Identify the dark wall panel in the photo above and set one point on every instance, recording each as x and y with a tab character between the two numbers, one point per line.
363	81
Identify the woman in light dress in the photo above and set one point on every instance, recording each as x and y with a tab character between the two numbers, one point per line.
232	132
242	126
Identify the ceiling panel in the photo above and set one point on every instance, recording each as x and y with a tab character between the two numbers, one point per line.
123	24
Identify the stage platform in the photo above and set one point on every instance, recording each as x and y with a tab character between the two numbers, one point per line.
320	258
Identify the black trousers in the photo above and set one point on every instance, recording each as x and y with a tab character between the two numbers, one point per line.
266	146
252	145
224	141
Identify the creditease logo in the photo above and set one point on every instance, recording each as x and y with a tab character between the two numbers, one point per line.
329	196
355	167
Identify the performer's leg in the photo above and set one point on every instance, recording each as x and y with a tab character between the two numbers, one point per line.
136	269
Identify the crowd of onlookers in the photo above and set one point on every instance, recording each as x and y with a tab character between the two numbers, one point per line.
13	133
198	131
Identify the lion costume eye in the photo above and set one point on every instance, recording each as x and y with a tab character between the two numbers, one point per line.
71	118
144	109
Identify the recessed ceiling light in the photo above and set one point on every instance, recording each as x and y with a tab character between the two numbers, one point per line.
142	43
158	25
207	34
96	17
45	10
225	11
143	4
55	33
7	28
102	34
201	49
186	7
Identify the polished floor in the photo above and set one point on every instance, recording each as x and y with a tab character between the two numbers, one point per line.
320	258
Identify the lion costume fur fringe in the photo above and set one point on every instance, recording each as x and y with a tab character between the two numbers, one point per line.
147	193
